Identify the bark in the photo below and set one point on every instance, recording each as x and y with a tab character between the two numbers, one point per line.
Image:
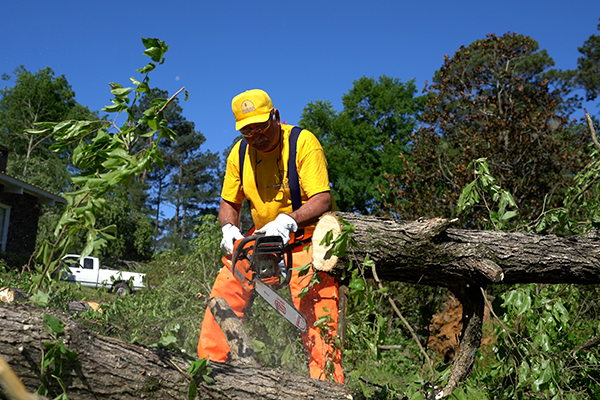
472	320
241	350
107	368
344	293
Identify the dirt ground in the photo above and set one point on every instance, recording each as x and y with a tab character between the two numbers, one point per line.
445	329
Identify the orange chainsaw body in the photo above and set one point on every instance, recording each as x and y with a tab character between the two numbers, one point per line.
262	264
260	257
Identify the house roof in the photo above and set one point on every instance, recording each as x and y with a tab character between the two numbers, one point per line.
14	185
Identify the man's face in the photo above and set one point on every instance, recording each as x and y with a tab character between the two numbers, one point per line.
263	137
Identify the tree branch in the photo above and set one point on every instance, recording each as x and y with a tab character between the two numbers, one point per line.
405	322
592	130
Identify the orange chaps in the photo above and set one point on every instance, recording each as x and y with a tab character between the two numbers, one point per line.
320	301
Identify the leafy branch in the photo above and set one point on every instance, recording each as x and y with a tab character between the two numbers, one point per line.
579	212
198	368
56	354
371	263
483	184
106	155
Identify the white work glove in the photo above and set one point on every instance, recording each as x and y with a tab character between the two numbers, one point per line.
281	226
231	234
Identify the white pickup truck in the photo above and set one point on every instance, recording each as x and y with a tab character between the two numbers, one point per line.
87	272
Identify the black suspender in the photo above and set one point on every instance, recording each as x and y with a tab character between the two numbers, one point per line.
293	179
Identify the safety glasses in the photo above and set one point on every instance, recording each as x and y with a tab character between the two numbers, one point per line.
248	132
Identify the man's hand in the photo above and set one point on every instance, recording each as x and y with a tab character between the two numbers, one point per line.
231	234
281	226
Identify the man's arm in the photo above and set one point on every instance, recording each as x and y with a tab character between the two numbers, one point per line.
310	211
229	213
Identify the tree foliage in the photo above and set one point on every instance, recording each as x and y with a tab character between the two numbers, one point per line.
541	349
135	230
585	77
579	210
588	67
363	141
34	98
491	100
188	180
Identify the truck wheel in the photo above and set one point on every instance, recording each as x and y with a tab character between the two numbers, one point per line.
122	289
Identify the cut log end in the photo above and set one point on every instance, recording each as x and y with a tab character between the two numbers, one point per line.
323	258
10	295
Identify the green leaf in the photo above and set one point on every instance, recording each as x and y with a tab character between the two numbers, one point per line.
70	355
357	284
327	238
192	390
383	290
53	324
121	91
90	218
36	131
152	124
143	87
43	255
149	67
546	372
150	42
542	341
303	292
303	270
524	374
198	365
40	298
168	340
114	108
155	53
508	215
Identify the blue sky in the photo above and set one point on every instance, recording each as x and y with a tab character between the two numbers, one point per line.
297	51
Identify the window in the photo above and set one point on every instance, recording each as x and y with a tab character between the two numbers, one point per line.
88	263
4	221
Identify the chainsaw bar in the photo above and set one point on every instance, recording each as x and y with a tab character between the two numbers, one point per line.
284	308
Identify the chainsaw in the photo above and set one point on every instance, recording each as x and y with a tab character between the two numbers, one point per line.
262	264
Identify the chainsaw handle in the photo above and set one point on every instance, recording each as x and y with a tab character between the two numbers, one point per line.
288	271
239	246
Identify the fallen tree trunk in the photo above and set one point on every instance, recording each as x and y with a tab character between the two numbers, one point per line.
429	252
108	368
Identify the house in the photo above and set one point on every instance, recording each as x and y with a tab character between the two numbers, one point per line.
20	204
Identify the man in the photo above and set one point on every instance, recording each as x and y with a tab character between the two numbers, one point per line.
266	186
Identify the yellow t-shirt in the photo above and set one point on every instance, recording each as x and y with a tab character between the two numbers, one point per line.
265	181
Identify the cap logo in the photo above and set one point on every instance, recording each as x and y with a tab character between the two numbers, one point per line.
247	106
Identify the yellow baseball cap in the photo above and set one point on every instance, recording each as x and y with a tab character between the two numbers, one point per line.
251	107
